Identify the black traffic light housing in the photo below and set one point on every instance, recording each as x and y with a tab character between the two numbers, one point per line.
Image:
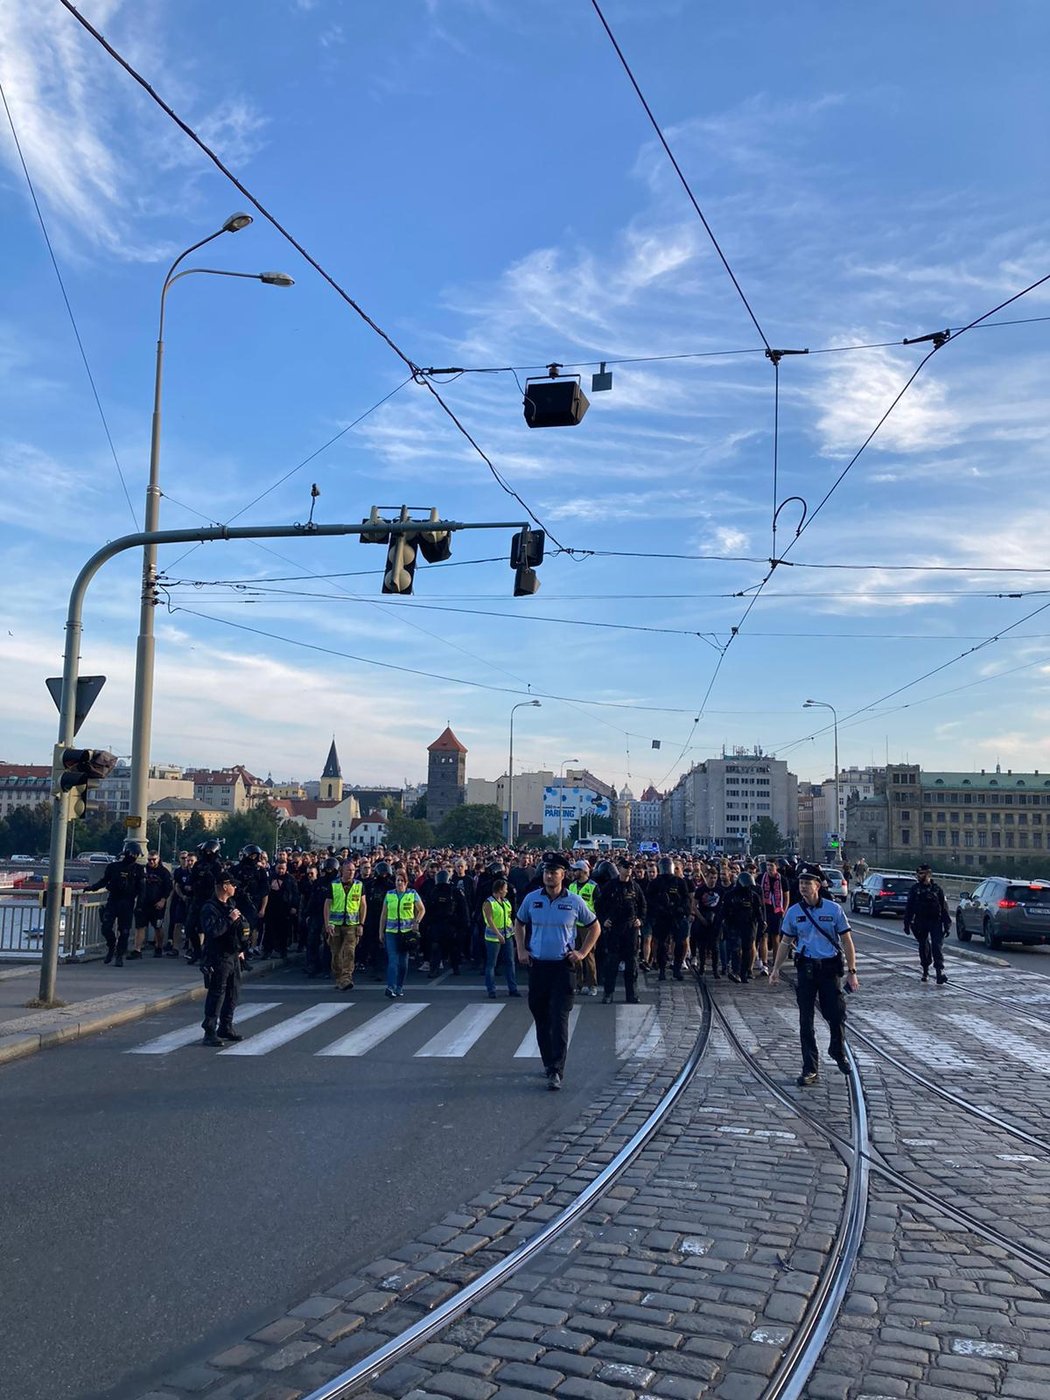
75	768
555	402
526	555
400	564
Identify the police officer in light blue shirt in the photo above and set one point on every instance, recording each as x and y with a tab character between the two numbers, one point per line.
819	932
545	933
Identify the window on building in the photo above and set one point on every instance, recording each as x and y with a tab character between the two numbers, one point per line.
1022	840
1022	819
955	838
905	836
927	816
1009	819
997	840
953	817
927	838
967	860
1037	840
1009	840
942	838
967	838
967	819
942	817
905	816
982	838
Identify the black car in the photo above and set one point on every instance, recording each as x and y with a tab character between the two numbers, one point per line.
1005	911
882	894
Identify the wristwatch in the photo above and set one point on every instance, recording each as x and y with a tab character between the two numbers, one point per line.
852	971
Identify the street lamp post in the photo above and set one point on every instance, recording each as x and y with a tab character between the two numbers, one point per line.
561	802
510	771
823	705
145	651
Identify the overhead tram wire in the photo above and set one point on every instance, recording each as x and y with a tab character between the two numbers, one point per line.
308	257
68	305
432	675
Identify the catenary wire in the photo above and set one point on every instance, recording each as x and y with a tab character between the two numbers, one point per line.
679	172
322	272
68	305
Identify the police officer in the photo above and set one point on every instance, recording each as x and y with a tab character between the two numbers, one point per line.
545	933
377	887
225	939
819	932
202	887
621	908
122	881
252	891
926	916
446	923
182	881
587	889
345	909
670	909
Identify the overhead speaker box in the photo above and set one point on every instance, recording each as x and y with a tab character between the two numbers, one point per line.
554	403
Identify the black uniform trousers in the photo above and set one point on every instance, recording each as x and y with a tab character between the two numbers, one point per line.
119	912
817	982
550	1001
931	944
224	991
621	947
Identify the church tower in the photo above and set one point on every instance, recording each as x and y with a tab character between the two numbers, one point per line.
332	778
446	777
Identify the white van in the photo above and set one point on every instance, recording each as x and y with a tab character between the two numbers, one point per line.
586	845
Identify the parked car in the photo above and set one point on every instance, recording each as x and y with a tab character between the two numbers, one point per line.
648	848
22	860
95	858
836	885
1005	911
882	894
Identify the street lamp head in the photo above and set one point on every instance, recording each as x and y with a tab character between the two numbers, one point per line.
277	279
535	702
236	222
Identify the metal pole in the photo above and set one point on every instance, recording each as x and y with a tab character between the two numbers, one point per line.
838	795
510	781
71	670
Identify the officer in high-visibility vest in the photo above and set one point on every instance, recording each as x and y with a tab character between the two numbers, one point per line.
586	971
498	913
402	911
344	915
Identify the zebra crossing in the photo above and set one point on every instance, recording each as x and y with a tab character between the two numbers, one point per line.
635	1031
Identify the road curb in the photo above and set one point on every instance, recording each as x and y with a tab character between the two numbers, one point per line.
69	1023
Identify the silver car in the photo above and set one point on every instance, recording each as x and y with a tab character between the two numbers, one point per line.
1005	911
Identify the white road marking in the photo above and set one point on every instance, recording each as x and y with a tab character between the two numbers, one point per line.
290	1029
186	1035
530	1050
638	1033
454	1040
1001	1039
924	1051
376	1029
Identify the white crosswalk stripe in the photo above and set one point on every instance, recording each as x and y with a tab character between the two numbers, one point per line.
1001	1040
638	1033
376	1029
284	1031
186	1035
925	1050
529	1048
461	1033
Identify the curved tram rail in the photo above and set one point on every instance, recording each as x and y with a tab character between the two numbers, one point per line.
1035	1260
371	1366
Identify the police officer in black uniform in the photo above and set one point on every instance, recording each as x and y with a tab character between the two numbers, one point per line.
370	950
621	909
253	887
926	916
202	887
446	923
225	934
122	881
317	893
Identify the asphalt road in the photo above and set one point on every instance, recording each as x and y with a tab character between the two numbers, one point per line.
1030	959
159	1207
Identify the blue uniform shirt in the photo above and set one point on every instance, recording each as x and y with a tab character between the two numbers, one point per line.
831	920
550	924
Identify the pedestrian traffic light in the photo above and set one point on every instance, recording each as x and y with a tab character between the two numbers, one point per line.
526	555
400	564
73	769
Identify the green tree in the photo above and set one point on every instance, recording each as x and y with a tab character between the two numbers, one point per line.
27	831
766	837
419	808
473	824
258	827
407	831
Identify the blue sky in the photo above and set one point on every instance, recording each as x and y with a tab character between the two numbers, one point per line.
479	175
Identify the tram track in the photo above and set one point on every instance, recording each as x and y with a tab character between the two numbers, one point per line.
370	1367
1032	1258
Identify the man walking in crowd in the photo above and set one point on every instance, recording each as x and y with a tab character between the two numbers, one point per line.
345	910
621	909
926	916
545	930
152	902
670	909
402	911
820	934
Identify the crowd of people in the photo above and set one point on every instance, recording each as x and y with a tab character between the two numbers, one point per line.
487	910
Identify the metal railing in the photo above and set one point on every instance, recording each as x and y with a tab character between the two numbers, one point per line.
22	925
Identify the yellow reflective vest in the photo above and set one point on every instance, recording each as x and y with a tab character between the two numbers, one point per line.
502	918
586	891
345	904
400	911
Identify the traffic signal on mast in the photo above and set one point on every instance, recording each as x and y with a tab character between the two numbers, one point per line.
74	769
400	563
526	555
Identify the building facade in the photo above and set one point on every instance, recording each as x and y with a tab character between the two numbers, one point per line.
714	806
446	776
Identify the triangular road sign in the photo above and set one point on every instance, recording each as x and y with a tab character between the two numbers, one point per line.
88	688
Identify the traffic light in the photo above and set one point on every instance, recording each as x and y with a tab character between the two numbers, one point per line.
435	545
74	769
526	555
400	564
554	402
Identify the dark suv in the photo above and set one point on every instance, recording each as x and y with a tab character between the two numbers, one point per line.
882	894
1005	911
